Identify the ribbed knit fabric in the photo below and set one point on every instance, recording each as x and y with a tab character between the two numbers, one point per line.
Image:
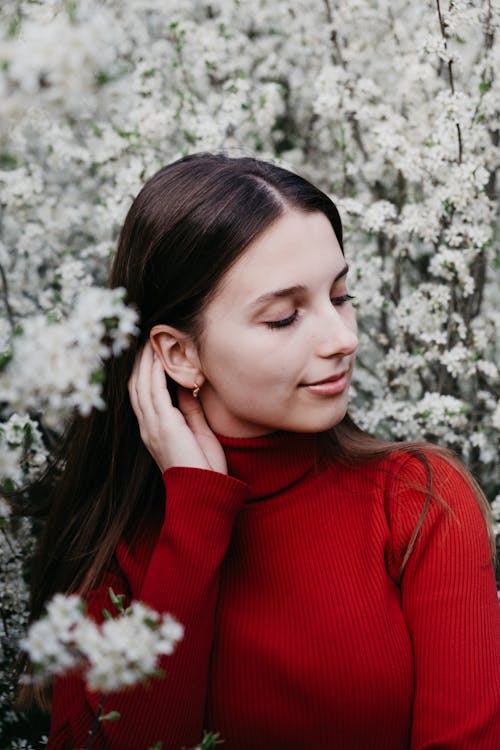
300	632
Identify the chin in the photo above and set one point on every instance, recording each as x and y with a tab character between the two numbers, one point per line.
318	422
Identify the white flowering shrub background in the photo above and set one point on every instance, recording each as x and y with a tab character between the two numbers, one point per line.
390	106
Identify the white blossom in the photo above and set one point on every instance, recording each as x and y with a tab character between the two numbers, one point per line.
67	354
496	417
495	508
113	656
22	451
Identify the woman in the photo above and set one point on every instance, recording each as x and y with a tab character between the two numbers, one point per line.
336	591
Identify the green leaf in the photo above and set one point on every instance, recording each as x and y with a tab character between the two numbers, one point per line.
484	86
71	10
14	26
98	377
110	323
97	131
116	599
159	673
157	746
107	614
102	78
8	486
210	740
5	359
111	716
7	161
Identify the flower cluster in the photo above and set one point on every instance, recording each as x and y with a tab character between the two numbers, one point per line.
22	452
115	655
16	548
67	354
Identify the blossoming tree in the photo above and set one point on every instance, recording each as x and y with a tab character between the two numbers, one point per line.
390	106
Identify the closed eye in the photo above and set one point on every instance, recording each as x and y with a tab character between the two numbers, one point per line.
342	299
284	322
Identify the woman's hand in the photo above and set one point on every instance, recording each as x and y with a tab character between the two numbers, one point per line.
174	437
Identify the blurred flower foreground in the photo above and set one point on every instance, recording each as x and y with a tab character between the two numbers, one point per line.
390	106
121	652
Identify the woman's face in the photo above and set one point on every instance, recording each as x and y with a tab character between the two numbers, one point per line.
280	323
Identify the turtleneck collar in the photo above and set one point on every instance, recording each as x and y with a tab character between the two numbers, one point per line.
271	463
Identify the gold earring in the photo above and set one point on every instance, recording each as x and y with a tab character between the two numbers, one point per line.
196	390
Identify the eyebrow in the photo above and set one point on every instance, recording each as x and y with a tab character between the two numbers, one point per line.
291	290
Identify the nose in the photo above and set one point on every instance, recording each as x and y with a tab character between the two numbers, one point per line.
337	333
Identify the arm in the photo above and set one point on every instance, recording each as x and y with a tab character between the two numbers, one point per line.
181	578
179	574
450	604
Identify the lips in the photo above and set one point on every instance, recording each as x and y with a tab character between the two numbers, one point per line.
329	379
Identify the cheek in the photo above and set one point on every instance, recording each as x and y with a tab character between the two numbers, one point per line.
258	360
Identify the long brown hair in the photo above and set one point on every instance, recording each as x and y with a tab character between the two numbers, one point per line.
188	225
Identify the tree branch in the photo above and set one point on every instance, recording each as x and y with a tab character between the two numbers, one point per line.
444	34
8	308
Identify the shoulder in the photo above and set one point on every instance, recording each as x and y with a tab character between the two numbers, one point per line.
424	465
429	473
432	501
409	474
415	472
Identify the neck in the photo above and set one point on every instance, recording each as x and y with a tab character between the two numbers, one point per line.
270	463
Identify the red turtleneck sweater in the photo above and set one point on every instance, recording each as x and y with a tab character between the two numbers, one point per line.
300	632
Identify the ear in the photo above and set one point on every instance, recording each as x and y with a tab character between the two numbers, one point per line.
178	354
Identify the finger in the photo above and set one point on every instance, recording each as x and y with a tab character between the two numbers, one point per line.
140	386
143	380
143	386
160	397
193	413
132	386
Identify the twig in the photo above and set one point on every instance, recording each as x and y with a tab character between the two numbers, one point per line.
442	26
333	34
8	308
95	725
351	118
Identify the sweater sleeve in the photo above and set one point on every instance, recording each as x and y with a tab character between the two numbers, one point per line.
451	608
181	577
